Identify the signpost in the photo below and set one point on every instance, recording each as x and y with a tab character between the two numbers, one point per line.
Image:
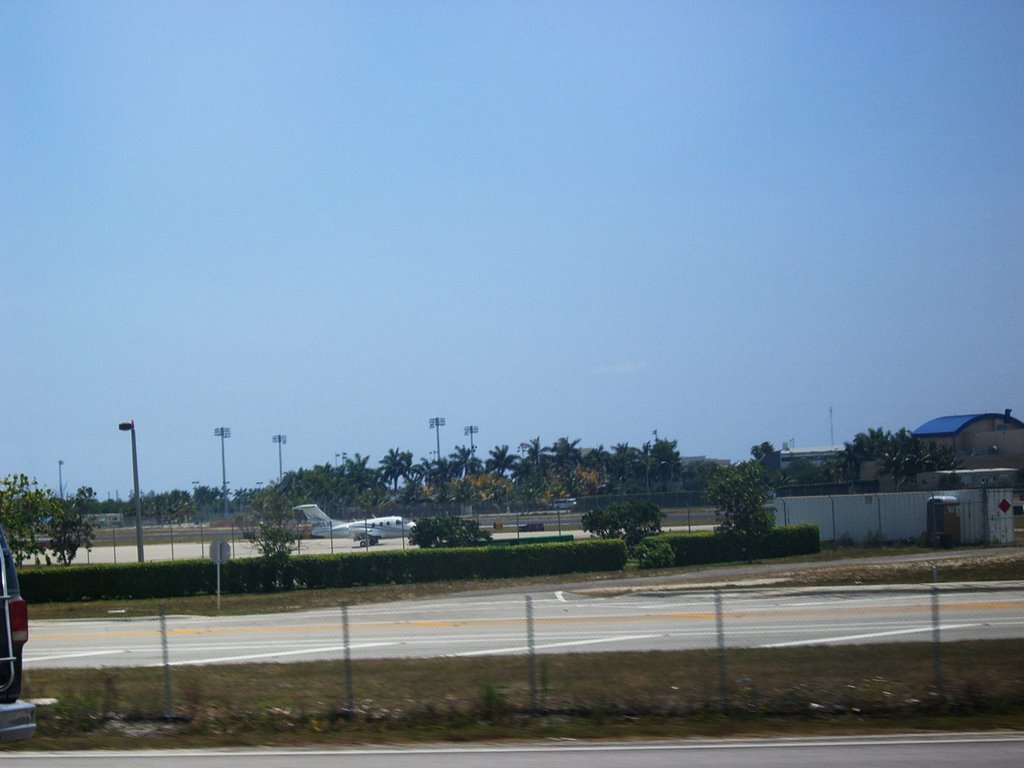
220	553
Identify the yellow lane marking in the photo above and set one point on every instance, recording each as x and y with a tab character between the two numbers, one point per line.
462	623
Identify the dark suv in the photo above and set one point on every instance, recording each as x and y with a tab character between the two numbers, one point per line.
17	718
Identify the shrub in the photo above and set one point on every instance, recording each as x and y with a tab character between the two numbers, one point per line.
254	575
631	521
704	547
655	552
448	532
740	493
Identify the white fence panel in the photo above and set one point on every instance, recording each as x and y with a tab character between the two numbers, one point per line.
986	516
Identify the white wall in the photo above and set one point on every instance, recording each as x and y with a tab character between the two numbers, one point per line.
899	516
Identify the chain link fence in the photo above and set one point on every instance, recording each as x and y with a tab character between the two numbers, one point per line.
612	648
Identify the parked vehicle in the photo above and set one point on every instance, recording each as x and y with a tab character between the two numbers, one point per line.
17	718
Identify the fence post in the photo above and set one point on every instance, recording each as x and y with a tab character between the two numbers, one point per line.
348	662
531	652
723	685
936	636
168	707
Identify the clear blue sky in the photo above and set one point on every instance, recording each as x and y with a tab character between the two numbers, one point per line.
335	220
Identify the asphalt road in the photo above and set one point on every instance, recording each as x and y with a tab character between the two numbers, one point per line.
941	751
564	621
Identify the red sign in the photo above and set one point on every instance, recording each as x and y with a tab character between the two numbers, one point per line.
1004	505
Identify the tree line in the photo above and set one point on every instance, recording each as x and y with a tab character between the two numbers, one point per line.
38	523
869	456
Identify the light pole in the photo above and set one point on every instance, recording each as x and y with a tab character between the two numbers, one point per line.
435	424
129	426
60	477
280	440
471	430
223	433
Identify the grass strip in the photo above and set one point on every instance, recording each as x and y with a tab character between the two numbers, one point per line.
818	689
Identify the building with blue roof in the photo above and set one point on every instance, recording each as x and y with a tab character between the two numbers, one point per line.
980	440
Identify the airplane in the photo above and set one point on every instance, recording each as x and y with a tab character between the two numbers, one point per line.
367	532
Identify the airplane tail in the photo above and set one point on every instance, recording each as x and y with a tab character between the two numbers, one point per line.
311	514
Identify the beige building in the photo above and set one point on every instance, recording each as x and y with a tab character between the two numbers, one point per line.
981	441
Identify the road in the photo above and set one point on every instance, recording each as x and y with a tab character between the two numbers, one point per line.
939	751
474	624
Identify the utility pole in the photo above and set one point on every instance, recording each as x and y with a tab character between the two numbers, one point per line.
280	440
435	424
471	430
129	426
223	433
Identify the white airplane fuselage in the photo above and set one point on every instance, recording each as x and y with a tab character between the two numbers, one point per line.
370	530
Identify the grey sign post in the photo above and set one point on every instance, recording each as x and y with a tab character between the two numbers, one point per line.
220	553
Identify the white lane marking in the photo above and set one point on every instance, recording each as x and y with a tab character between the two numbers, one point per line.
523	648
274	654
866	636
560	596
34	659
898	740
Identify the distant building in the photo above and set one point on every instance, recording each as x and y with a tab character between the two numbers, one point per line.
998	477
981	441
698	459
784	459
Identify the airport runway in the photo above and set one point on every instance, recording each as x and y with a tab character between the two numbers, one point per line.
495	624
184	543
164	546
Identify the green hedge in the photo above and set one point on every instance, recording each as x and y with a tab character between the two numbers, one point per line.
707	547
45	584
251	575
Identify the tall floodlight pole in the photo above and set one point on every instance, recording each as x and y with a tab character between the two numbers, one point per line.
280	440
435	424
60	477
222	433
129	426
471	430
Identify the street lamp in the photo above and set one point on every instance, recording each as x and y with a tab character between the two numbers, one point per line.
129	426
435	424
223	433
280	440
60	477
471	430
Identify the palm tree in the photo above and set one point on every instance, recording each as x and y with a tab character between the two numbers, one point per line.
437	472
870	446
359	476
565	455
624	464
500	461
596	459
395	466
461	461
665	461
534	456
